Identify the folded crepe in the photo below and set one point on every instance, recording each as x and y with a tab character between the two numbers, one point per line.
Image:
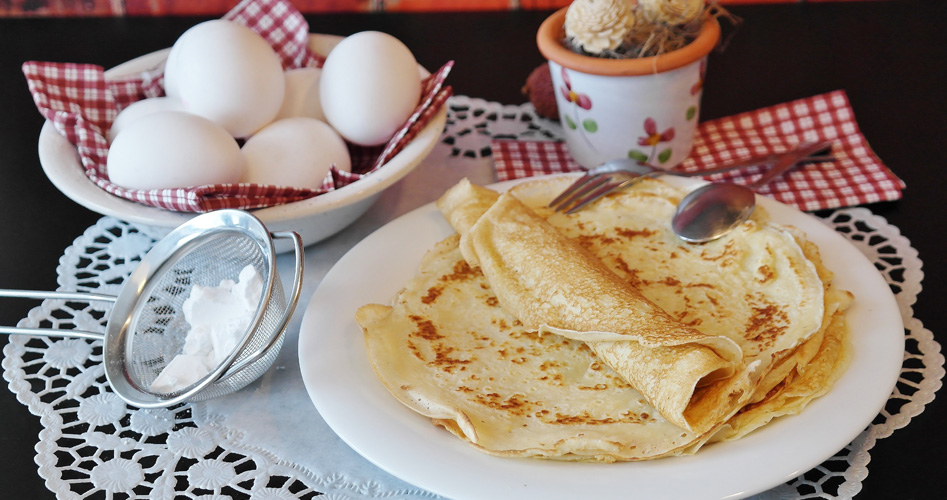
451	347
447	350
550	283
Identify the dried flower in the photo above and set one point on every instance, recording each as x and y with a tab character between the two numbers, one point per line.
671	12
599	25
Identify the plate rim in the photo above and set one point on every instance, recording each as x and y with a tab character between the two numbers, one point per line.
793	460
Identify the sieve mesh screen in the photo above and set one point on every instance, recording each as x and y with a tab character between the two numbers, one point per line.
159	329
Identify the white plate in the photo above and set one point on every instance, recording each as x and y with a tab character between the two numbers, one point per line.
344	389
314	218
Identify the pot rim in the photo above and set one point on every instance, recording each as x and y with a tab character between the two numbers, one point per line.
548	40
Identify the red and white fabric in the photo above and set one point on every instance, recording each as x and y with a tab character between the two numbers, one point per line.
82	104
855	177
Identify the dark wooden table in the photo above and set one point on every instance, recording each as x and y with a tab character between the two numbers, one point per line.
890	57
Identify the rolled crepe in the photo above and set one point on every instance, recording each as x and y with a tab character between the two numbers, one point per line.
552	284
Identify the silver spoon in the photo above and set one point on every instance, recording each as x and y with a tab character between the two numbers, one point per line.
715	209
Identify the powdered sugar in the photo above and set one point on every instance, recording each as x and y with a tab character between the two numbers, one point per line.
219	317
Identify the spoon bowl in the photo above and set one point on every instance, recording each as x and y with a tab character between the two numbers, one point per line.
712	210
715	209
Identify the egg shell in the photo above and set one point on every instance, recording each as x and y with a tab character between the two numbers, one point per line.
301	97
227	73
370	85
174	149
139	109
170	70
296	152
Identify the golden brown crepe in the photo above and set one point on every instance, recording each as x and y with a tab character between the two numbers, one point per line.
447	350
805	373
551	283
622	231
462	343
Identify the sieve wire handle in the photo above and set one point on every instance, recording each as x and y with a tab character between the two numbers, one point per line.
49	332
287	313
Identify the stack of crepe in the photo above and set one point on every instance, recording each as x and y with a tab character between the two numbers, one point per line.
600	336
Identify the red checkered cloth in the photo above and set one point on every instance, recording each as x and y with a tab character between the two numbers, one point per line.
82	104
856	176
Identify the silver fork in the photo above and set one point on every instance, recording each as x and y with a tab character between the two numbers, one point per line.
622	172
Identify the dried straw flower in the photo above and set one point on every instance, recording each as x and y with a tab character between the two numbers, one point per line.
671	12
596	26
622	29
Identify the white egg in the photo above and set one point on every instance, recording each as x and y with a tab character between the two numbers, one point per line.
139	109
369	86
173	149
227	73
302	94
171	71
296	152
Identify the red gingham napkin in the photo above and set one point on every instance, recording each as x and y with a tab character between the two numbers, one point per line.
856	176
82	105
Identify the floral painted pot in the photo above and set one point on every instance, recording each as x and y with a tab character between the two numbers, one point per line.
646	109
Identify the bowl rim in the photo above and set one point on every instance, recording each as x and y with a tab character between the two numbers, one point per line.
62	166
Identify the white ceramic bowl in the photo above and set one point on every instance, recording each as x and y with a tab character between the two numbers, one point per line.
314	219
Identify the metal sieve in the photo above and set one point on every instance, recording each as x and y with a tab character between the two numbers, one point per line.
146	327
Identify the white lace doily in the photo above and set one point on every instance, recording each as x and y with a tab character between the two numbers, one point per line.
92	443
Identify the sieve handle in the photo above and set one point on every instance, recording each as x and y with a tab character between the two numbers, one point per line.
49	332
290	304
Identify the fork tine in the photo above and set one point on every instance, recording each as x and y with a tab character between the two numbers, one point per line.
581	181
578	189
603	190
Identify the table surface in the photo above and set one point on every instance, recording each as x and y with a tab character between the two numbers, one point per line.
890	58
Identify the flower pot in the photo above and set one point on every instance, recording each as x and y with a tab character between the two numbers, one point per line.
645	108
